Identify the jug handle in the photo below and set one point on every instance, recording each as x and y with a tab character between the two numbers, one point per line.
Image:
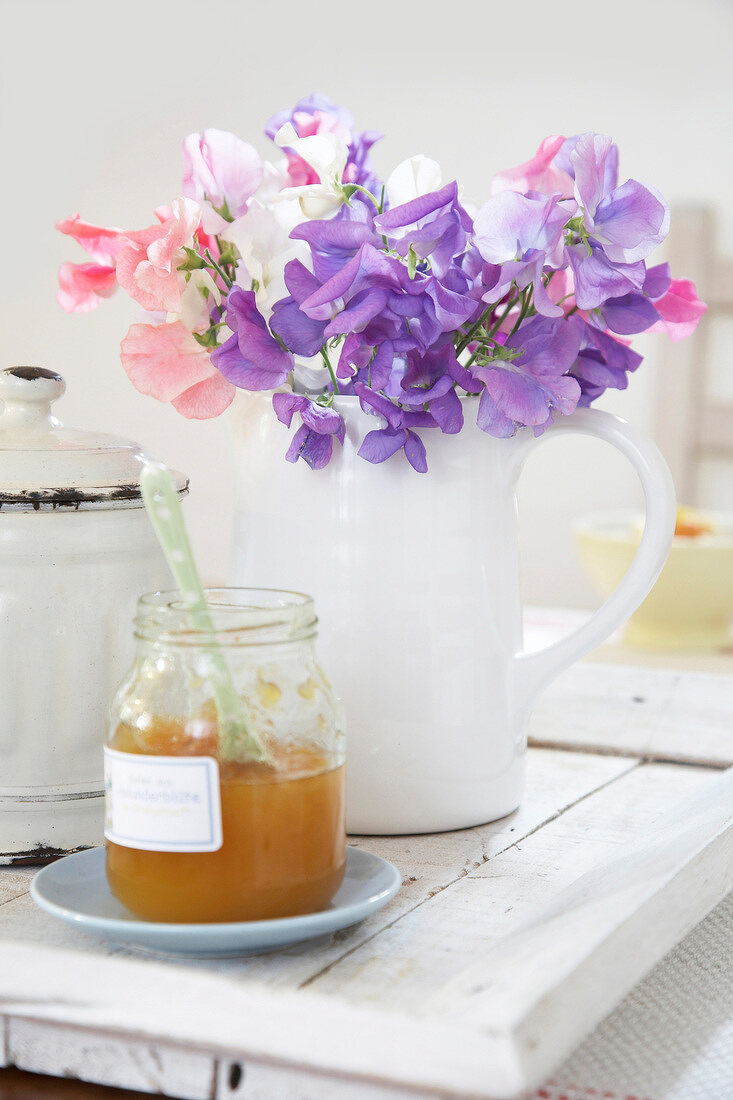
533	671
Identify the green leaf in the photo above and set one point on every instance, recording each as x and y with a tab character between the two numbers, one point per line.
412	261
206	339
224	212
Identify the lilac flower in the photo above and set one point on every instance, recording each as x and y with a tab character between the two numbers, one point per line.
525	391
251	358
521	234
313	441
434	226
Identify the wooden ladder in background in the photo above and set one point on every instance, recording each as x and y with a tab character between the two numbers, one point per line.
691	425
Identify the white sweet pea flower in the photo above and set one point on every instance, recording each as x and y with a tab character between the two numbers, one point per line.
262	238
414	177
326	154
196	301
275	178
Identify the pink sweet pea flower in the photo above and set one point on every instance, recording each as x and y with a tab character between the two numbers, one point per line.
221	168
167	363
680	310
82	286
101	243
537	174
148	261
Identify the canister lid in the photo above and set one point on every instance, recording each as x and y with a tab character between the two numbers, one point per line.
44	465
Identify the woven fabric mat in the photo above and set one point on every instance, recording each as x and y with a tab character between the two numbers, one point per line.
672	1037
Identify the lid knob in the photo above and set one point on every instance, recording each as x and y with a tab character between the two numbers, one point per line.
28	393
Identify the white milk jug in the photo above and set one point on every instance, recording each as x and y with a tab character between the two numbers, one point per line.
416	579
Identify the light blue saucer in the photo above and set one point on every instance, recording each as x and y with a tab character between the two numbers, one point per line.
75	890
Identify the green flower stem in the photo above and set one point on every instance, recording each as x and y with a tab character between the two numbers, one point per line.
474	329
327	362
236	740
352	187
229	283
477	352
526	302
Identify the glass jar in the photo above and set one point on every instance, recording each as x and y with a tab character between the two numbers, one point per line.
196	829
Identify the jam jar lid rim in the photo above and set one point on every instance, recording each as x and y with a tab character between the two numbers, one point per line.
162	616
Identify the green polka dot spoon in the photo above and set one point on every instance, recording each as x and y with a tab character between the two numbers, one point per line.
237	740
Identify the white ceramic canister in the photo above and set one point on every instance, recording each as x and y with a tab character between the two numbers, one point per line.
76	552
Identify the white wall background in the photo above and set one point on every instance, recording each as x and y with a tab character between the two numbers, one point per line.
95	99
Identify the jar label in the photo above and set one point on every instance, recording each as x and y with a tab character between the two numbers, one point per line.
162	803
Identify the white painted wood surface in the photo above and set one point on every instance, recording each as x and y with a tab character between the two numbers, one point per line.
657	713
505	946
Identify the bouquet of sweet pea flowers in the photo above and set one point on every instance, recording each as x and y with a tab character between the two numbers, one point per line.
310	277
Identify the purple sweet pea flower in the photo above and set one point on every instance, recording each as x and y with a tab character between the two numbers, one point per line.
369	359
597	278
251	358
313	441
374	286
359	168
564	163
335	241
627	315
628	222
454	298
300	333
427	380
525	391
522	234
382	443
433	225
602	363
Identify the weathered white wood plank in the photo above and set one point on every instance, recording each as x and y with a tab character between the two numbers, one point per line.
14	882
608	929
250	1020
555	780
376	1013
411	960
63	1052
655	713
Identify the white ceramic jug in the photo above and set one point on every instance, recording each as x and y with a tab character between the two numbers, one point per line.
76	551
416	579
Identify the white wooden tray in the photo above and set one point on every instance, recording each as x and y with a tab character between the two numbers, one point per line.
505	947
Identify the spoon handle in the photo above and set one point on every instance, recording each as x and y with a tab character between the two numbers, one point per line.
237	741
